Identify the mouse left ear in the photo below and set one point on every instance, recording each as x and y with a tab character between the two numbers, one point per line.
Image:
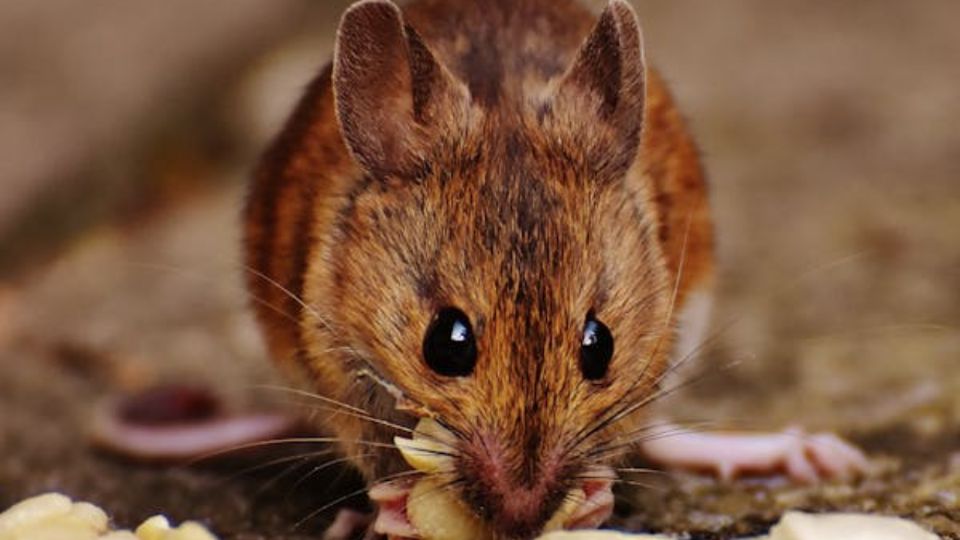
597	105
394	100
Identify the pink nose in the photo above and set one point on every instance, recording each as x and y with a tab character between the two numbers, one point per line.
517	500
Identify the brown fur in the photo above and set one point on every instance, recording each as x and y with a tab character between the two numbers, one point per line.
486	155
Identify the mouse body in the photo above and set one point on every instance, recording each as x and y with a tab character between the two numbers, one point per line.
490	214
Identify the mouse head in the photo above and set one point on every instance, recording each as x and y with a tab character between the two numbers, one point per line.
495	265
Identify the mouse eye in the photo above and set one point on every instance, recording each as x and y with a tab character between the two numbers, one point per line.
596	349
449	348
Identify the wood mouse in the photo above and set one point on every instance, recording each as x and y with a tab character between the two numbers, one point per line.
491	213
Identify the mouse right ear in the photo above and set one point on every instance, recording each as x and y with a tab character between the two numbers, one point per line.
394	100
597	105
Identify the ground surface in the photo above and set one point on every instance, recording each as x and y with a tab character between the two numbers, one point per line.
830	135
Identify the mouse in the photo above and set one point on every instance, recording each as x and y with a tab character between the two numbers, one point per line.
492	214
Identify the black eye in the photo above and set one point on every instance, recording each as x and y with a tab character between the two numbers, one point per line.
596	349
449	348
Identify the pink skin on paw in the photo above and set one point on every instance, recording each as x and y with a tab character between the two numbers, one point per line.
347	524
596	507
805	458
391	501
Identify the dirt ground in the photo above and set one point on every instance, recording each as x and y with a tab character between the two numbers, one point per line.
830	134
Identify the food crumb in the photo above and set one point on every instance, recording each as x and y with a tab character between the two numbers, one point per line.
55	516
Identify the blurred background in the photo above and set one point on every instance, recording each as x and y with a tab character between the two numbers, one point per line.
829	131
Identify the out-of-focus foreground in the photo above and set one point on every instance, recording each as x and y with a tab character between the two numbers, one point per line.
127	132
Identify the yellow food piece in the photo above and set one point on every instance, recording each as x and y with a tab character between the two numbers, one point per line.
33	510
422	454
153	528
440	516
800	526
56	517
158	528
430	448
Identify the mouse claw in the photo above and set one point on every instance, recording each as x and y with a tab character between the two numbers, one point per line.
805	458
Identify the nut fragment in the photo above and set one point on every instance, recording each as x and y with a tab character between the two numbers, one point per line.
438	515
55	516
800	526
431	448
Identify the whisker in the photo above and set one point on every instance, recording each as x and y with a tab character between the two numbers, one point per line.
357	412
641	470
306	307
327	465
656	396
275	479
652	428
341	407
184	272
289	440
277	461
645	485
299	523
621	448
310	310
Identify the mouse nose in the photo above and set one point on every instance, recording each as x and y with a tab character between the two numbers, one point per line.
516	494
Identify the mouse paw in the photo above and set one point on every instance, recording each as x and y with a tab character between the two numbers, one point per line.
391	500
593	505
805	458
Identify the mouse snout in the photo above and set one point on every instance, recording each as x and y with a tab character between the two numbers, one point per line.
516	492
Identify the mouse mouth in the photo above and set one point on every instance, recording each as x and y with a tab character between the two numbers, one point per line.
430	506
420	508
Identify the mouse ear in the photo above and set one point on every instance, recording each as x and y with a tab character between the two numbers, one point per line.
393	99
597	105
